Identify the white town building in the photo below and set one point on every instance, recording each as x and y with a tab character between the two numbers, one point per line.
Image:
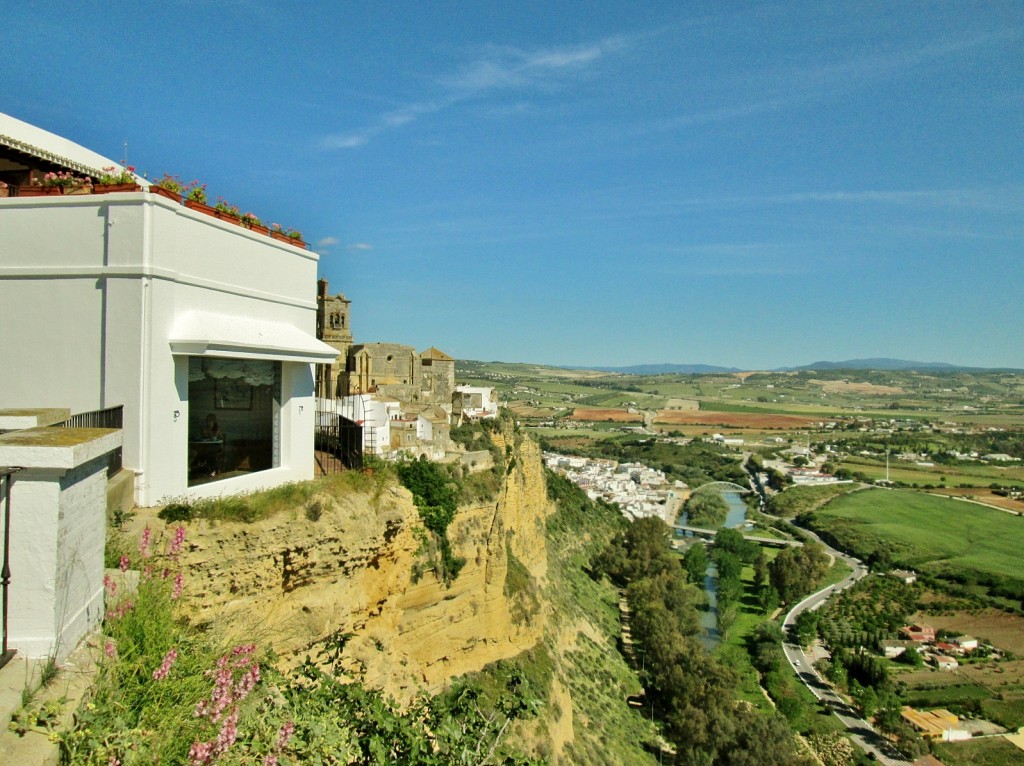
135	300
475	402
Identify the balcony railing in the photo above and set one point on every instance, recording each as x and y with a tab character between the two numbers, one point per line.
112	417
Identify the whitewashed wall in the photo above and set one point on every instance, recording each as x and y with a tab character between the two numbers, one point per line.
92	286
58	529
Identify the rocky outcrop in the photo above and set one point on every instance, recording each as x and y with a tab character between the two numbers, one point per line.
361	564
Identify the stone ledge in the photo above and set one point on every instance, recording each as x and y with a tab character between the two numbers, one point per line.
57	447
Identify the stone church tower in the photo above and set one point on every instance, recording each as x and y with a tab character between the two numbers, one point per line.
332	327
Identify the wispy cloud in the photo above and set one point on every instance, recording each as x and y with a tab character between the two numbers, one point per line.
993	199
496	69
780	89
325	243
360	247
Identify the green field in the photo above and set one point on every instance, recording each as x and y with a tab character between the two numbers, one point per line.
989	751
974	475
927	532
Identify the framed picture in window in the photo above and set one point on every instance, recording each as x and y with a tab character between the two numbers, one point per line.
231	394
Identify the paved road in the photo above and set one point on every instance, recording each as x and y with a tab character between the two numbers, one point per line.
861	732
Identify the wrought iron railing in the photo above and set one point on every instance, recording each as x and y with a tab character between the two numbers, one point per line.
338	442
112	417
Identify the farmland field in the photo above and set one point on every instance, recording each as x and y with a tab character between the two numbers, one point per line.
977	474
732	419
926	531
989	751
617	415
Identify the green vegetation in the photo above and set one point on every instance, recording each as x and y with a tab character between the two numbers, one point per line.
169	693
868	613
259	505
436	498
706	509
690	692
595	674
796	572
952	541
801	499
990	751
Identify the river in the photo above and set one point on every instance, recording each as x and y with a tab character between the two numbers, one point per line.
736	516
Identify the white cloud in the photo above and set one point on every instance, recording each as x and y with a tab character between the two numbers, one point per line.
327	242
360	247
495	69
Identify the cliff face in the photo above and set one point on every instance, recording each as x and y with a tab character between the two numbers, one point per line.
363	567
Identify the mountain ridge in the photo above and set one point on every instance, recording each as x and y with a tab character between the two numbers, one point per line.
871	363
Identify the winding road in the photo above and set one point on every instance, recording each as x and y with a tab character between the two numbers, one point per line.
861	732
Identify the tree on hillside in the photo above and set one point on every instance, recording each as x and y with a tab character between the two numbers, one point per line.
695	561
733	541
706	509
795	571
806	627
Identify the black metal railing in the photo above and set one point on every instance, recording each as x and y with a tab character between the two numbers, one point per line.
337	443
111	417
6	479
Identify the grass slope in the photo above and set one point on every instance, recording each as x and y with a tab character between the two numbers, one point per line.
927	532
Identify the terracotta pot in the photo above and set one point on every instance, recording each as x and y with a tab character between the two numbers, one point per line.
110	188
280	235
162	192
5	191
39	191
208	209
255	227
297	242
220	214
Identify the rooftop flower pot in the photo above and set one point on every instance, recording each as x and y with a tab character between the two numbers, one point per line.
112	188
160	191
116	179
39	191
192	204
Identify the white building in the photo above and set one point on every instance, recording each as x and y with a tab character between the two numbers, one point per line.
475	402
133	299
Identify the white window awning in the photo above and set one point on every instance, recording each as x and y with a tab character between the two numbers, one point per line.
200	333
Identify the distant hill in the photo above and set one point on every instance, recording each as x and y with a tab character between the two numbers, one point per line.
878	364
661	369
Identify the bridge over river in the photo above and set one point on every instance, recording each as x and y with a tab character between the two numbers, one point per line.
709	534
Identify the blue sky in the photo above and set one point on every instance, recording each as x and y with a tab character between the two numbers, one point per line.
743	184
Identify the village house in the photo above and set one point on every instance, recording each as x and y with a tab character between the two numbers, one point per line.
893	649
199	332
945	662
921	633
474	403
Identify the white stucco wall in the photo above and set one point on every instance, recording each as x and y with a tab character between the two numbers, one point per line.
58	530
92	287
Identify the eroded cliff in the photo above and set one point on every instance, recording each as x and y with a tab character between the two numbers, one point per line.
360	563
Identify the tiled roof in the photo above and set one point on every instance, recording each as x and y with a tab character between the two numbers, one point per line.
436	354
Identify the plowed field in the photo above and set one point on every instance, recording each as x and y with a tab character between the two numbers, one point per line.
732	419
618	416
